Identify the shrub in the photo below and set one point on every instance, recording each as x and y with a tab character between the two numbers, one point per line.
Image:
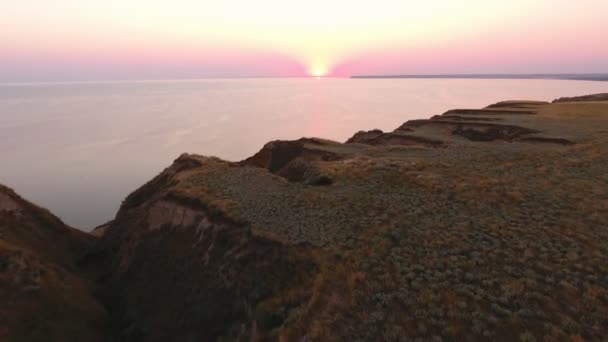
319	180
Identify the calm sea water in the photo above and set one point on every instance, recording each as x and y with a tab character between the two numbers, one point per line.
78	149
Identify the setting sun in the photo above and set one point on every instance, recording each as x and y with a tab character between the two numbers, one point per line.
318	71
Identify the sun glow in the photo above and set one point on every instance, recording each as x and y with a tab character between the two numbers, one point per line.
318	71
235	38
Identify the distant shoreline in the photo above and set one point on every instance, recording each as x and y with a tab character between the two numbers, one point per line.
571	77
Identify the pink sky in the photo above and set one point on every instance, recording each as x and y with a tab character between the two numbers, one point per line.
65	40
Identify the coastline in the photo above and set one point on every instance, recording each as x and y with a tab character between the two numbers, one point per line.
473	224
565	77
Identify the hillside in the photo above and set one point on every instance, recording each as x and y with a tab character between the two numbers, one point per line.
475	224
45	295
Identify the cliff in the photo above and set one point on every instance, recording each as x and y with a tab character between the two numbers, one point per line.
474	224
45	295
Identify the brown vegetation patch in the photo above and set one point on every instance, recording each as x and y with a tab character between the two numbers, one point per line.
490	112
489	132
517	104
462	118
560	141
364	137
377	137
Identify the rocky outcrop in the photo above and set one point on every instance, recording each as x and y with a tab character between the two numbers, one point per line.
594	97
294	160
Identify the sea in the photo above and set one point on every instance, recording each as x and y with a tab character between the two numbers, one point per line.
78	149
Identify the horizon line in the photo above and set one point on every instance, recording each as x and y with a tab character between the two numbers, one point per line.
555	76
136	80
600	76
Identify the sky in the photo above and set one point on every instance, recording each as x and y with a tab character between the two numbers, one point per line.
88	40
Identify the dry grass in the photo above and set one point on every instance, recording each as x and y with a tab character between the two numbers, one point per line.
475	241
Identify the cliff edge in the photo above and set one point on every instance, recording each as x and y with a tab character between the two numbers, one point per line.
472	225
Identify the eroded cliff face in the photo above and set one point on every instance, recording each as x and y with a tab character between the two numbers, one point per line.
44	294
185	271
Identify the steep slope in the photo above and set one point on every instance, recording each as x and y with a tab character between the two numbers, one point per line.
43	296
475	224
186	270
